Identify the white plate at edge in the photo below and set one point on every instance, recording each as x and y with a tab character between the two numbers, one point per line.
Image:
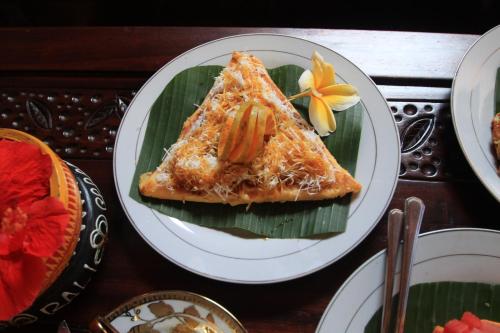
219	255
462	254
472	105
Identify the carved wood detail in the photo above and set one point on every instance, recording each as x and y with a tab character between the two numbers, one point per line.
76	124
429	148
84	123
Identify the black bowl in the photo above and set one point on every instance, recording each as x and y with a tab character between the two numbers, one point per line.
84	262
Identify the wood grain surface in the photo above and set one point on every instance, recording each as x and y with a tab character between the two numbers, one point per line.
140	49
82	79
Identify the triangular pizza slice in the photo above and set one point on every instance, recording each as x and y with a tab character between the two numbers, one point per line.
246	143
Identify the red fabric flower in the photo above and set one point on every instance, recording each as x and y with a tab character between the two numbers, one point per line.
32	224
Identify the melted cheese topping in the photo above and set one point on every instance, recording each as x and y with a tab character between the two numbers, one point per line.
289	158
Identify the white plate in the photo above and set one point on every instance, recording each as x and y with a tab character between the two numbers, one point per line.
463	255
222	256
472	105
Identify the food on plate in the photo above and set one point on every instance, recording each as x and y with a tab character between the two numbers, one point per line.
495	128
469	323
247	144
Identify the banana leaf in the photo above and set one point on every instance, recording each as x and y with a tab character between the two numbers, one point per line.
273	220
431	304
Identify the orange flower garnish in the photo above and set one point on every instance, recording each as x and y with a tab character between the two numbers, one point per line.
32	224
242	138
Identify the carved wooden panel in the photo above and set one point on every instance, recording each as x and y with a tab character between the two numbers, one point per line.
76	123
83	124
429	148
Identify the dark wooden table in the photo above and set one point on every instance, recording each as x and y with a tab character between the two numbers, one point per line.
71	86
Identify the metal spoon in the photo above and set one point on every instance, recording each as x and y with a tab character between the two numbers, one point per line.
414	213
394	224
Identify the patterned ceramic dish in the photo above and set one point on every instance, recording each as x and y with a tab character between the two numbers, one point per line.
169	311
64	187
74	263
84	260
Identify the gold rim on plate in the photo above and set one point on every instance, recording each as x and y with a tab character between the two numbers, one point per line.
104	323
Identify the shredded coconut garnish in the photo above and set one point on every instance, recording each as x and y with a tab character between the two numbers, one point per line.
197	124
223	191
211	160
169	153
289	158
238	77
